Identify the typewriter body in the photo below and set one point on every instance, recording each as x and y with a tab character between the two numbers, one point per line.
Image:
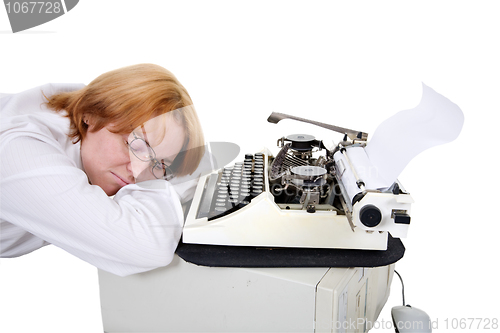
310	195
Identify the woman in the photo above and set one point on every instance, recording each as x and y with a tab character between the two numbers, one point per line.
65	149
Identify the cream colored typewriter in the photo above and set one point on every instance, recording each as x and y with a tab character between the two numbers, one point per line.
306	196
317	195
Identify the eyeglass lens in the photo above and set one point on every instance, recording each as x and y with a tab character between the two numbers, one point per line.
141	150
162	171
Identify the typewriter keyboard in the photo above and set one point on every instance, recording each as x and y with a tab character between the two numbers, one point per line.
232	187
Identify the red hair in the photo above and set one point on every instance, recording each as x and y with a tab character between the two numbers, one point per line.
124	99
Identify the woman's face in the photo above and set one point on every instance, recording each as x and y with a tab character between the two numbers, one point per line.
107	160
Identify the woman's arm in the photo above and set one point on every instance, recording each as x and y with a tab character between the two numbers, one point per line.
44	193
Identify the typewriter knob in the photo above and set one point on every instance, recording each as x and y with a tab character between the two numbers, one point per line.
311	209
370	216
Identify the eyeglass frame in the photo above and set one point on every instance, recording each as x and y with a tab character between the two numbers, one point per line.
168	174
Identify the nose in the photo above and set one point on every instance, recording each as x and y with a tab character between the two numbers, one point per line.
128	165
129	168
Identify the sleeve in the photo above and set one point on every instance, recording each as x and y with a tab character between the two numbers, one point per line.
43	192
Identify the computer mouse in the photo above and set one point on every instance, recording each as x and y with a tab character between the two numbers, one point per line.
408	319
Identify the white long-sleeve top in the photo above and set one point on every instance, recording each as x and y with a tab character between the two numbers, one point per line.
46	197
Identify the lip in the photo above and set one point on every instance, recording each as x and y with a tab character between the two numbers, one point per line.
120	180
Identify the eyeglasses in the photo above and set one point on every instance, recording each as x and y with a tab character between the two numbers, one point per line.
143	151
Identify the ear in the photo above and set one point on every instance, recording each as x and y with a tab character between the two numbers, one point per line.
86	119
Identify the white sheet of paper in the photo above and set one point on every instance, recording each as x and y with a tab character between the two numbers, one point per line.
397	140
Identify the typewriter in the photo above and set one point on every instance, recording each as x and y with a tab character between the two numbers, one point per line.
318	195
299	198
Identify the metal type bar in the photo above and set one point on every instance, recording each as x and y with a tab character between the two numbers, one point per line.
275	117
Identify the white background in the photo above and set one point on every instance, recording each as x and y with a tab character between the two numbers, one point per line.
352	64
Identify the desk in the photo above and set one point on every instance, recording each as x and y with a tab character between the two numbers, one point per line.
184	297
